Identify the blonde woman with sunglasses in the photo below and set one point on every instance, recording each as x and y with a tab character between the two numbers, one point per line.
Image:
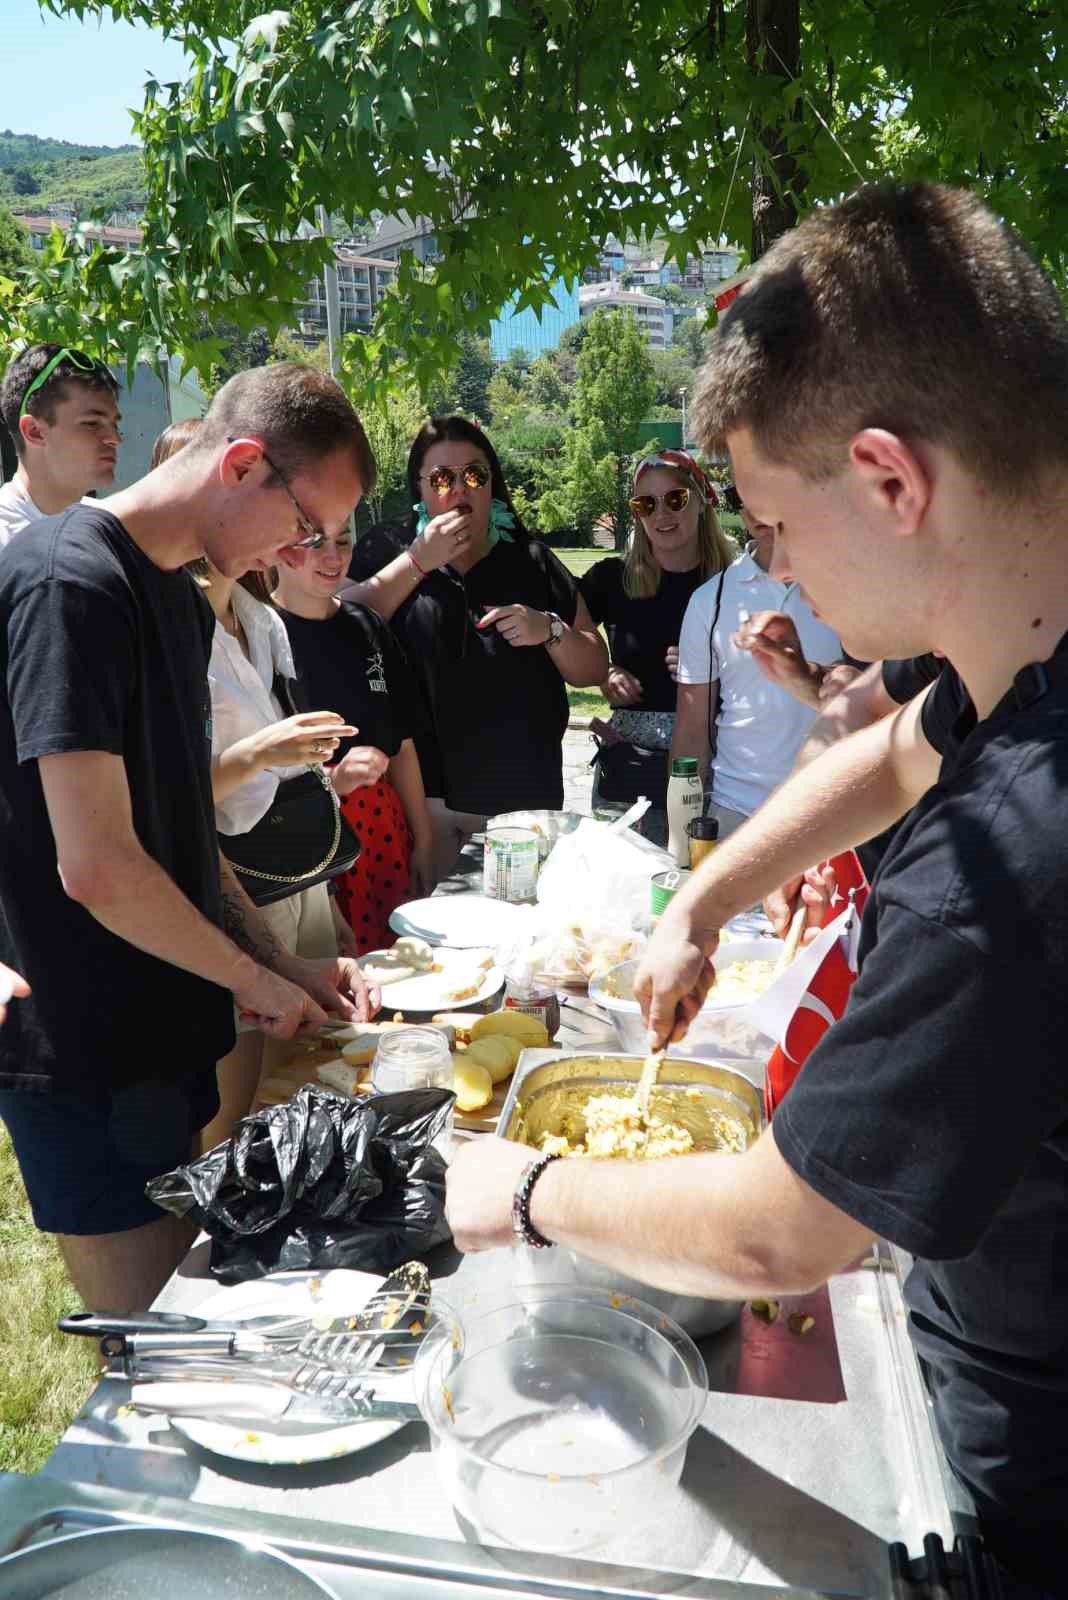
675	546
494	627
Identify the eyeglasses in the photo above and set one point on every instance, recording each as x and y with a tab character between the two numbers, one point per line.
76	359
315	536
473	475
644	505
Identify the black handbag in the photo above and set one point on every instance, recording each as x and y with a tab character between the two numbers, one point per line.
625	771
302	840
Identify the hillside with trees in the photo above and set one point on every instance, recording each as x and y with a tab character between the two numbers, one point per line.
36	173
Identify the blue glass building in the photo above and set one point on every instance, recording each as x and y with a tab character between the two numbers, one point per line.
522	330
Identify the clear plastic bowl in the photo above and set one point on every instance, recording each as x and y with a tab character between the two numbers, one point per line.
560	1420
719	1028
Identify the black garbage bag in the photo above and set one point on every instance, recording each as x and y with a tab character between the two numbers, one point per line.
322	1181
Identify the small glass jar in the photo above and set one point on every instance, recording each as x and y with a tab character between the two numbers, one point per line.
414	1058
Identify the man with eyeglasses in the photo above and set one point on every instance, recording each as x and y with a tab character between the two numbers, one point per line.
135	938
61	409
726	707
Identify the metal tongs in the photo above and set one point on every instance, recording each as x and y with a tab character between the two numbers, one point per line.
386	1330
271	1366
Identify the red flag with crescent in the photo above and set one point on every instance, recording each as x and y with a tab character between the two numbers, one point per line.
822	975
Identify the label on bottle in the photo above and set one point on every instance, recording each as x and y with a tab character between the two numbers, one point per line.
541	1004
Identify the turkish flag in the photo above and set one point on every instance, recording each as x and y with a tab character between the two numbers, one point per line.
812	994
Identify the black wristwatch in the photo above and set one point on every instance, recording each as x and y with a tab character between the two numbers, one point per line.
523	1228
556	629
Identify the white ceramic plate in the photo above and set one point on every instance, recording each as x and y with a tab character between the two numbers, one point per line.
431	991
277	1442
466	921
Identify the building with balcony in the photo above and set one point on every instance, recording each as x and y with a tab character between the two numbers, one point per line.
654	317
40	226
361	283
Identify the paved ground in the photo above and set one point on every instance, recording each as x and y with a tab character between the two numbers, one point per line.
579	748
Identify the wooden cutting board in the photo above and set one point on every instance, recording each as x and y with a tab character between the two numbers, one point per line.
294	1064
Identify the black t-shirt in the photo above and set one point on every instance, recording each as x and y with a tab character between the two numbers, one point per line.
640	631
101	650
908	676
495	714
351	663
936	1111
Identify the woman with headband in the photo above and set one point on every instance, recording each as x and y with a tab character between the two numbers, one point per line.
675	546
494	627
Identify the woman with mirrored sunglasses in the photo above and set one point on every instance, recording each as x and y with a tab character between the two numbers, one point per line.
675	545
492	623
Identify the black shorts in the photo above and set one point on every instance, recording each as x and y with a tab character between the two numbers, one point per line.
86	1157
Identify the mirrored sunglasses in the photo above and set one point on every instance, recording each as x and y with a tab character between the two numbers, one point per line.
644	505
443	479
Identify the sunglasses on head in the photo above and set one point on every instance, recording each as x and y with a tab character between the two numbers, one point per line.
76	359
644	505
473	475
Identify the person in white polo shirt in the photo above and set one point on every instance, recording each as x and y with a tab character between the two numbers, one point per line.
61	410
727	710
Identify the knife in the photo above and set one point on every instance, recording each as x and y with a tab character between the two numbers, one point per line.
258	1402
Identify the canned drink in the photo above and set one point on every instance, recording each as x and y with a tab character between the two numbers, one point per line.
510	864
663	887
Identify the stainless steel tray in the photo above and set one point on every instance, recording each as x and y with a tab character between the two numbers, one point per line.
356	1563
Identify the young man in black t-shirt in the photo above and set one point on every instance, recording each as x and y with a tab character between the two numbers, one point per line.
137	942
893	390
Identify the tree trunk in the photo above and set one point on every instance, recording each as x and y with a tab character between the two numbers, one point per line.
773	50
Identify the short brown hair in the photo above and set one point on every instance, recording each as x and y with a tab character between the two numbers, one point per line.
27	366
301	415
911	308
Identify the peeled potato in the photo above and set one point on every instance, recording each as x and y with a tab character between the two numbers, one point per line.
496	1053
529	1031
471	1084
461	1021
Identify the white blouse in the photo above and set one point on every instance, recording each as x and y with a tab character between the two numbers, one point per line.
242	703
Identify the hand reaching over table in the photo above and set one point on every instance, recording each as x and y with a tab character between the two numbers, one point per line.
479	1184
674	977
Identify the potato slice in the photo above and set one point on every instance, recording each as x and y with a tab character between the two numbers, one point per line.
471	1084
496	1053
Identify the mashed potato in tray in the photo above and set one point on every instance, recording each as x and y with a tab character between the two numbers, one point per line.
611	1125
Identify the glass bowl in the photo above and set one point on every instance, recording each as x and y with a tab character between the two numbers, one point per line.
559	1416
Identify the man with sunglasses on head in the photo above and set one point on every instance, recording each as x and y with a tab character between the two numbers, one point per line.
134	936
60	408
726	707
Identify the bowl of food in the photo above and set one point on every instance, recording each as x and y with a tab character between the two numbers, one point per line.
745	969
547	826
584	1105
559	1416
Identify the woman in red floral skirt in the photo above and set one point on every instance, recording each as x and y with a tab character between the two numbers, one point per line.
345	652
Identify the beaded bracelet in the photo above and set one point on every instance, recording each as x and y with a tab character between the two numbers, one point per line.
522	1226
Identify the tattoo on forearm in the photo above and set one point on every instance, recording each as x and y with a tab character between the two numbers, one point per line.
265	949
259	941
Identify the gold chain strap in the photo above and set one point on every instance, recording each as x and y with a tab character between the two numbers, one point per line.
279	877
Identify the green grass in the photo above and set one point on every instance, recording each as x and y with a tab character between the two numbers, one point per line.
45	1376
585	702
578	561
